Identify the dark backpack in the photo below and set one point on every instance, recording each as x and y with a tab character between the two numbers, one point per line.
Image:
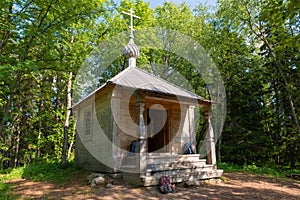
165	185
188	148
133	146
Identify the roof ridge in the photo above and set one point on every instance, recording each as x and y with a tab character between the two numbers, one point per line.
178	87
119	75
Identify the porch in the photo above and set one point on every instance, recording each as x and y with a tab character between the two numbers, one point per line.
179	168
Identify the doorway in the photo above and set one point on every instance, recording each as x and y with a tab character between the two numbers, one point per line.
158	135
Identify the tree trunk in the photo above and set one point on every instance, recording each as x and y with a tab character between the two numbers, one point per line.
219	149
38	151
66	127
71	143
10	101
17	146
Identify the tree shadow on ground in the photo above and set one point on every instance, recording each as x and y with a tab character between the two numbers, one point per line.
238	186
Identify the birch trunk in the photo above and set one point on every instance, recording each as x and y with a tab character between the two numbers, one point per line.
71	143
66	126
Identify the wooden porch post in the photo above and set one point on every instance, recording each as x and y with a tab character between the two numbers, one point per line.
141	132
210	141
193	141
115	118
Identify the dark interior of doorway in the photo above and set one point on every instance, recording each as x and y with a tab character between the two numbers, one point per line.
157	130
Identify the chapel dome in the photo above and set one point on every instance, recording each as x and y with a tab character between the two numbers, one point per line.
131	50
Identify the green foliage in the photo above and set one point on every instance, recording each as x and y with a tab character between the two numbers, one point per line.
5	188
48	171
41	42
263	170
5	191
230	167
260	73
14	173
272	171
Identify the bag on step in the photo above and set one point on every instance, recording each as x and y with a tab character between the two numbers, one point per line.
188	148
133	146
165	185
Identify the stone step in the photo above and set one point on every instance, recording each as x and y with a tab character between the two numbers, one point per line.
176	164
179	170
154	180
162	161
161	158
173	169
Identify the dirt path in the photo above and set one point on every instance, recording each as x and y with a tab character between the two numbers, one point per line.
237	186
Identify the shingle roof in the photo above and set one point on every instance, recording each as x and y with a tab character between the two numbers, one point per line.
135	78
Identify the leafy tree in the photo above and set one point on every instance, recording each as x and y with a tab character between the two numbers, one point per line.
266	25
32	73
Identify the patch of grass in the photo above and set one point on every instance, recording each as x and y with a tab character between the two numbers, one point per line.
5	188
5	191
48	171
275	172
230	167
14	173
293	171
253	169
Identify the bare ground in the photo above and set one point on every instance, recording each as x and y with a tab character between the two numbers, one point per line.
237	186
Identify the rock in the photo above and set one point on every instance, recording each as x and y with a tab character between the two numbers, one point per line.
91	177
97	181
212	181
194	183
109	185
219	180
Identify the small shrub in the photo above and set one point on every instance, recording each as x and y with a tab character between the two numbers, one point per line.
6	171
14	173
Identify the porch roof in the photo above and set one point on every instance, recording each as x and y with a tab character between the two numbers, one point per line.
136	78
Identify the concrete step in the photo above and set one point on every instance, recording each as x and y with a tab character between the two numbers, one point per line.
161	158
179	170
176	167
154	180
176	164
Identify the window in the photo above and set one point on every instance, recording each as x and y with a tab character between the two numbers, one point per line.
88	121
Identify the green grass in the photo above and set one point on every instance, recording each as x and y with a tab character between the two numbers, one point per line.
5	188
40	171
14	173
253	169
48	171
